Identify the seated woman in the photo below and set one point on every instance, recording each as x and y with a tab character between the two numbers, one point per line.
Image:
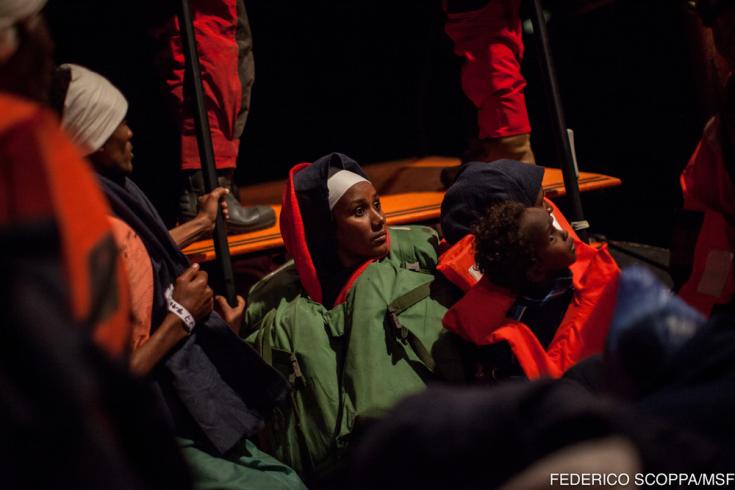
217	390
351	320
570	307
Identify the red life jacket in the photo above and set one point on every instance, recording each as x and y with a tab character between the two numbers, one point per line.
480	316
708	187
44	178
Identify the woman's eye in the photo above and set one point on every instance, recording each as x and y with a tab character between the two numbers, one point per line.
359	211
376	205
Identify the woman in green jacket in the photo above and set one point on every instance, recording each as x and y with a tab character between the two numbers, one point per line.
351	320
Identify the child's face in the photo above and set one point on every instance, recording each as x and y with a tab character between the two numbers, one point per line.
554	248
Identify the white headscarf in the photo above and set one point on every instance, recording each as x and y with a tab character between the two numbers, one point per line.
339	183
93	109
12	11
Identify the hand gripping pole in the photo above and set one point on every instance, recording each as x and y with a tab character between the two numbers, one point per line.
204	140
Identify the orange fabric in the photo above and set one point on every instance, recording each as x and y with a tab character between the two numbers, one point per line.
458	264
705	181
140	278
294	237
712	281
480	316
708	187
44	177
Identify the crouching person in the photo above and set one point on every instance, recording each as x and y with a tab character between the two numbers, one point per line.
545	296
217	390
351	321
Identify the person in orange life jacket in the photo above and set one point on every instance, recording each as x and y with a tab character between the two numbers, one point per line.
706	269
519	248
552	309
477	187
192	354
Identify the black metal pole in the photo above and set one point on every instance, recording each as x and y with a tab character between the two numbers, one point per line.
204	139
561	137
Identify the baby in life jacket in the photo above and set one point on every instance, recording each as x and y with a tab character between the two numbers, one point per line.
545	298
520	249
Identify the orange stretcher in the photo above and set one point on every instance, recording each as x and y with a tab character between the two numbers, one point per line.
410	192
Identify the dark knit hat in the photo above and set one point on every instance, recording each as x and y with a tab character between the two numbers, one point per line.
481	184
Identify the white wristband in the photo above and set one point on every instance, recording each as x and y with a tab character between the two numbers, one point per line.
178	310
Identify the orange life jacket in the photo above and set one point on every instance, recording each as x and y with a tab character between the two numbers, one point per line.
708	187
43	177
480	316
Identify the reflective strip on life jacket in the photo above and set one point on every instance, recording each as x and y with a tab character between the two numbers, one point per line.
712	281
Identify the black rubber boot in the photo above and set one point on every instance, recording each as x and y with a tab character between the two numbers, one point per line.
243	219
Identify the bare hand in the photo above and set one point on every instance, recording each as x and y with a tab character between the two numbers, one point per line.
193	293
208	206
233	316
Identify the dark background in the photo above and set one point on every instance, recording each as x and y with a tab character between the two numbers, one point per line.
377	80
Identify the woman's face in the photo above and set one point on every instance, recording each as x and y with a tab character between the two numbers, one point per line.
360	224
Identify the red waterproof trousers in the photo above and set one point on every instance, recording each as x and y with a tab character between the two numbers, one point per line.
490	41
226	59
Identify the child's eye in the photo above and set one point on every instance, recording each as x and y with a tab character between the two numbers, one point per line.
376	204
359	211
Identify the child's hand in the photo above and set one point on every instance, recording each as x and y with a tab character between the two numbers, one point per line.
233	316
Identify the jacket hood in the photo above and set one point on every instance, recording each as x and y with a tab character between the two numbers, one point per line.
481	184
308	229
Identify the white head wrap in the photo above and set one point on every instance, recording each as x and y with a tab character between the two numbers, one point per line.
12	11
340	183
93	109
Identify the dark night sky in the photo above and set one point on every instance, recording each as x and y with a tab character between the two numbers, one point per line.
377	80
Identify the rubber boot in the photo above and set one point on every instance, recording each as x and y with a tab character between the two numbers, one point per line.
517	147
243	219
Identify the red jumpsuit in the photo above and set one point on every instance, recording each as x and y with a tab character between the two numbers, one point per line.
490	41
226	59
